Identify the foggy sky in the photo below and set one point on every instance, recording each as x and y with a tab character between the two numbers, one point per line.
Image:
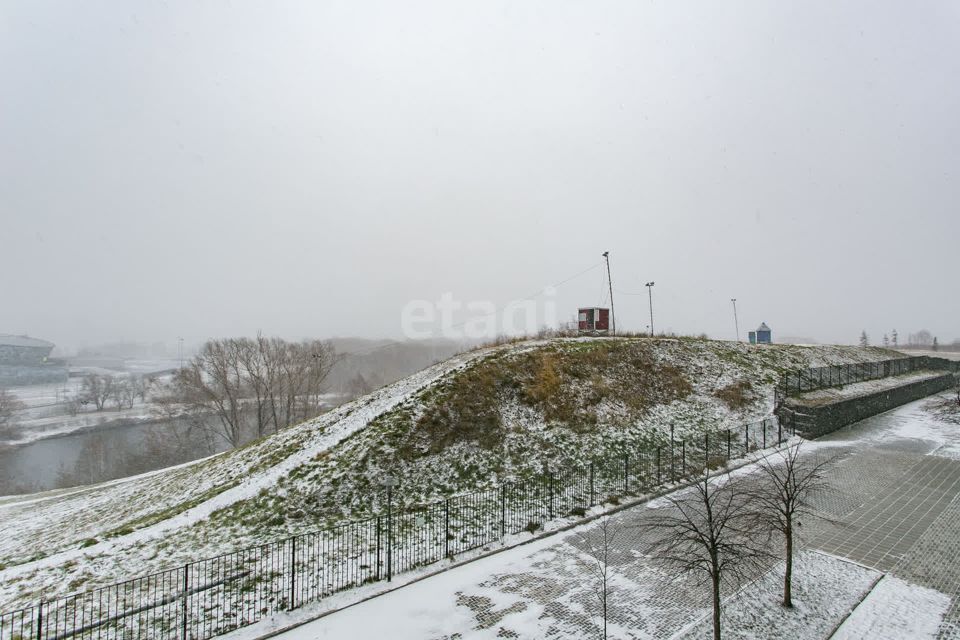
305	169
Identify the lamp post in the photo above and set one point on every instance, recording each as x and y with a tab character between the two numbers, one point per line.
736	321
389	482
613	313
649	287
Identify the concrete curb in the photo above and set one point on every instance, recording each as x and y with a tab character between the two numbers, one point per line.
849	613
636	502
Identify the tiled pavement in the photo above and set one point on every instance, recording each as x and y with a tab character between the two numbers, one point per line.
907	522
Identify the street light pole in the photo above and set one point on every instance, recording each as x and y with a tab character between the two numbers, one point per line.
613	315
736	321
649	286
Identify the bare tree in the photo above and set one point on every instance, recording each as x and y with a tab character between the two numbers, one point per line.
97	389
597	544
123	393
213	383
254	386
782	499
706	533
9	405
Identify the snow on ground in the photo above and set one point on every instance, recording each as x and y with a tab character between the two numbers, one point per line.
424	609
76	540
933	421
896	610
824	590
89	512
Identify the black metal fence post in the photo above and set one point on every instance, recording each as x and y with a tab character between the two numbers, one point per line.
626	473
683	458
728	445
185	604
293	573
673	473
446	528
659	477
591	484
550	491
40	621
389	533
503	510
379	548
763	425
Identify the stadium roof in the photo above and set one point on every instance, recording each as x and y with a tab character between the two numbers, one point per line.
23	341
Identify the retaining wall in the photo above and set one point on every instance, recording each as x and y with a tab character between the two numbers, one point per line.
817	420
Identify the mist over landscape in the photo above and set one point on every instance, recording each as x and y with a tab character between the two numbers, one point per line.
313	299
183	171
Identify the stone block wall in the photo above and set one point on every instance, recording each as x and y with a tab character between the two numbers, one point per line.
815	421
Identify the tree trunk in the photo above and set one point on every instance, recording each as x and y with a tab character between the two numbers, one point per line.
788	573
716	607
604	611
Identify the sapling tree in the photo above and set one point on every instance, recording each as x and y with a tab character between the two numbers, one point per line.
781	499
708	533
598	545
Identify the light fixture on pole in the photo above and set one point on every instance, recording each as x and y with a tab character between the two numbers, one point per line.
736	321
649	286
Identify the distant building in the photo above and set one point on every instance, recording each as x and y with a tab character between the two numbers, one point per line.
762	335
593	320
25	360
23	350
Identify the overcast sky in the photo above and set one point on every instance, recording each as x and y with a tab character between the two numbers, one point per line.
205	169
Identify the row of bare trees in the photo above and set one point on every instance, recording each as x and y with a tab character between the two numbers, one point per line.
723	529
121	390
253	387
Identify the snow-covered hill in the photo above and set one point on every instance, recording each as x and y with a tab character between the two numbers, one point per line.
475	420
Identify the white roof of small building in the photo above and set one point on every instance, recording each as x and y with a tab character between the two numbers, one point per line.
763	327
23	341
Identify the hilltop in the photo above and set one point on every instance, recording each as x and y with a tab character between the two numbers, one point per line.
493	414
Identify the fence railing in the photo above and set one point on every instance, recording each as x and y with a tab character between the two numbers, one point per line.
210	597
797	382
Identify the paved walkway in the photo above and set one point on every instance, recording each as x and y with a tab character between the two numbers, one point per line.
896	507
901	478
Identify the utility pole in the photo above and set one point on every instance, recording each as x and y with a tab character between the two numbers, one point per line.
613	316
649	286
180	351
736	321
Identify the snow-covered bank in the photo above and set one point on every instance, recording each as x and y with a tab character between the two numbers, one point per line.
101	534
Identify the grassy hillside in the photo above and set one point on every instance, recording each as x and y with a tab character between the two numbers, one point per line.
475	420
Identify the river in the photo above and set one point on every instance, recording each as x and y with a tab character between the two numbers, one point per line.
90	456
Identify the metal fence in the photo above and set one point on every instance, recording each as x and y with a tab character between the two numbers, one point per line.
797	382
210	597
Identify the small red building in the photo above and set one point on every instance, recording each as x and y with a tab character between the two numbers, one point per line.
593	320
